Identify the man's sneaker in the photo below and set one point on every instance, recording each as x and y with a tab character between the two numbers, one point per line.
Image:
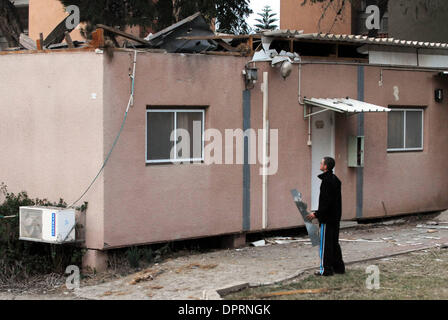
325	274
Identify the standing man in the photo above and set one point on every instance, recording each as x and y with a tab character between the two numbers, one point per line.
329	216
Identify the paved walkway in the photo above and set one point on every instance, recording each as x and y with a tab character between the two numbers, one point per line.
190	277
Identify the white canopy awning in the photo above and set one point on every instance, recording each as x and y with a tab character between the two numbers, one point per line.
344	105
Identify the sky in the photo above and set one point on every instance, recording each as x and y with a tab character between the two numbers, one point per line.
258	5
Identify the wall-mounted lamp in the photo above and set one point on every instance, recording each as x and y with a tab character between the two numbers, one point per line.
438	95
250	76
285	65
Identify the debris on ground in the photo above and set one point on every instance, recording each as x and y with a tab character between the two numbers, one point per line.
146	275
286	240
361	240
196	266
114	293
260	243
426	226
156	287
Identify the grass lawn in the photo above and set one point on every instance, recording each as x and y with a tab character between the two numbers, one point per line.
416	276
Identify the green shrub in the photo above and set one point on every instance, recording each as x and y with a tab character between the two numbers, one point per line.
133	254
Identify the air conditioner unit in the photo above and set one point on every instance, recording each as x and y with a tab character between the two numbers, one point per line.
46	224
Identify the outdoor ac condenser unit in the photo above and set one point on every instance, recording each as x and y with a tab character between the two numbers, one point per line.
45	224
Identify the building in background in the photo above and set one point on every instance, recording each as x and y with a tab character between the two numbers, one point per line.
417	20
327	17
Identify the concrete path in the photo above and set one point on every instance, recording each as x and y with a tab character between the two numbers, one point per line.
200	276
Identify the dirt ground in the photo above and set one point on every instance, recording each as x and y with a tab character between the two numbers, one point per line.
416	276
200	275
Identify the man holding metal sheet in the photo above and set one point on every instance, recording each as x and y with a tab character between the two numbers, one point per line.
329	216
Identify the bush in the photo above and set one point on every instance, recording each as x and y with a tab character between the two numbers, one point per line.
135	255
22	259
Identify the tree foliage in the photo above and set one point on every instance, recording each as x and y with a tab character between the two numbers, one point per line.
266	20
230	14
10	25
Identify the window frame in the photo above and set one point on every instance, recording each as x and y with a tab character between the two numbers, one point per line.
175	111
422	111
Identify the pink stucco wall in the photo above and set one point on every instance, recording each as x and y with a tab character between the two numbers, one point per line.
412	181
150	203
51	130
54	137
168	202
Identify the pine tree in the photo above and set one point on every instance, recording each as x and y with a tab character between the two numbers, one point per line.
230	14
267	20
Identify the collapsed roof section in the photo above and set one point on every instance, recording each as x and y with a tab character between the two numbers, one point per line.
194	35
194	25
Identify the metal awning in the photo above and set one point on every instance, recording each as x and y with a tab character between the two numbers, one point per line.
343	105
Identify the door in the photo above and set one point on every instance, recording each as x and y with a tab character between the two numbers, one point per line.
323	140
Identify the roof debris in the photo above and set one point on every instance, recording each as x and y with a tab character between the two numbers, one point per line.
195	35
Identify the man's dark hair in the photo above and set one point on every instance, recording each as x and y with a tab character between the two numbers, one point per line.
330	163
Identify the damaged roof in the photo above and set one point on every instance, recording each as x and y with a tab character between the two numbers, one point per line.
354	39
194	25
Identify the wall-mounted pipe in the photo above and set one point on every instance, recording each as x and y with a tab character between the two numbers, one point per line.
265	89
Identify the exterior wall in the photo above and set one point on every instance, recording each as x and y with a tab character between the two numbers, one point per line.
323	81
406	182
168	202
295	16
152	203
51	129
45	15
55	138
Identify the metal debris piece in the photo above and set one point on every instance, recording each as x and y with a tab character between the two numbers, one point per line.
27	42
194	25
312	229
431	227
57	35
260	243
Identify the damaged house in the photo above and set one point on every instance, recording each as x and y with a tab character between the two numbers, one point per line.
377	106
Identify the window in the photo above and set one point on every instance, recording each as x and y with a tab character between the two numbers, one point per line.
405	130
174	136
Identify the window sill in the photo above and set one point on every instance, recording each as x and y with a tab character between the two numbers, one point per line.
405	151
170	163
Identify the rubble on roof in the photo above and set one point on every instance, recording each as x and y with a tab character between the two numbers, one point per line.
57	35
194	25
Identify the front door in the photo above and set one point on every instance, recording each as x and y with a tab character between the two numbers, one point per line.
323	140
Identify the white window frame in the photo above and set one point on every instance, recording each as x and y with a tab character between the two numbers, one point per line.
175	111
404	128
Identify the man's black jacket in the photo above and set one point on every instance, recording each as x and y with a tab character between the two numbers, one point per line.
330	199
